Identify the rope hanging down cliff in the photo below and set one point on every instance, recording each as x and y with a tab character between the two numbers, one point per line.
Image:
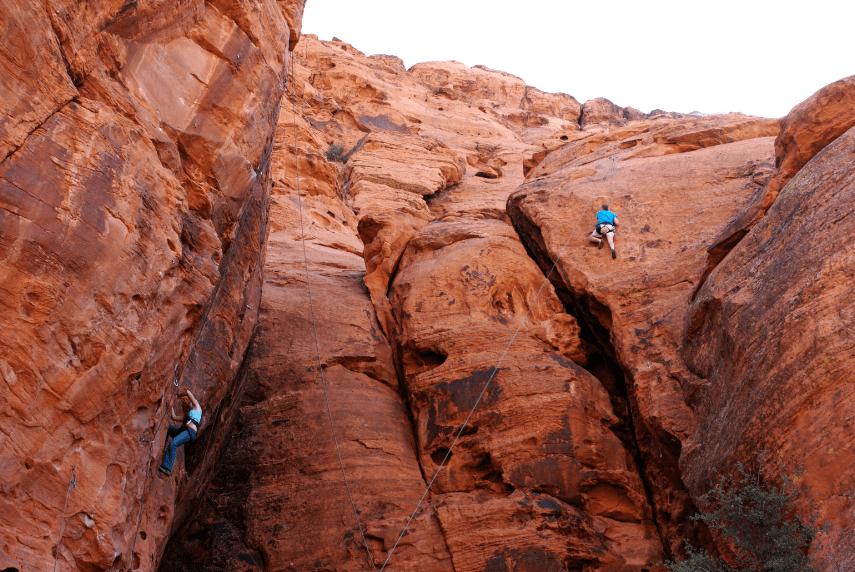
611	183
494	371
312	309
72	484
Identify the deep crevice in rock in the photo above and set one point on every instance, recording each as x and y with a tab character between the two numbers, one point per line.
205	462
660	476
604	366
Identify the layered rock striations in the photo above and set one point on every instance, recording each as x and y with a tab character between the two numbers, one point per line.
134	187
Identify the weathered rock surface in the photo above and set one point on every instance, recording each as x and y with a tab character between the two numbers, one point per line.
460	293
279	489
601	110
391	170
134	187
670	208
427	237
415	150
806	130
770	333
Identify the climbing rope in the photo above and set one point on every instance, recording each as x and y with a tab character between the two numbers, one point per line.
72	484
312	309
611	183
492	375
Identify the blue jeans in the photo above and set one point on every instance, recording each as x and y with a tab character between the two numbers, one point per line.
180	436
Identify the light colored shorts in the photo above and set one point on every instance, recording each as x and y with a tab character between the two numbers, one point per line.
604	228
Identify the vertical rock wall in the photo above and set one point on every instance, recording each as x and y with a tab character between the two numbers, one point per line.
134	189
771	331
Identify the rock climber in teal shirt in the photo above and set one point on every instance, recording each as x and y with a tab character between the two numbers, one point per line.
606	225
182	434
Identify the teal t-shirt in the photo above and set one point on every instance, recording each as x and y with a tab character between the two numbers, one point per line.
607	217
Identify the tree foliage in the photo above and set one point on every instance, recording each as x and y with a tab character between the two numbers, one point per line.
759	516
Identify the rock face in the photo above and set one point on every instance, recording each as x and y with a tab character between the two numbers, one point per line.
544	423
806	130
551	454
389	170
134	183
670	208
602	110
571	458
771	335
435	337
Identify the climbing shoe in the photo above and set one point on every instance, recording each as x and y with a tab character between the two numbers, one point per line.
600	246
614	255
166	472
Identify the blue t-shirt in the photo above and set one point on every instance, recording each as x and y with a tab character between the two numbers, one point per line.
195	416
607	217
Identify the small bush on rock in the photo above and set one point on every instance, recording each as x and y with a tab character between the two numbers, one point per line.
335	153
757	515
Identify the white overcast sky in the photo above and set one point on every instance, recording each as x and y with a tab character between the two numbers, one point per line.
754	56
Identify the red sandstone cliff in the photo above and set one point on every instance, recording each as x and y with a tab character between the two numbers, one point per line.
573	457
135	141
160	134
771	331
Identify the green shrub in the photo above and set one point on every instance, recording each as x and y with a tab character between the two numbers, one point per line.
757	515
335	153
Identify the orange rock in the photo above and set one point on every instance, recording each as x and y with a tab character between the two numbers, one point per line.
34	82
494	533
478	82
654	137
281	478
770	335
574	452
388	170
385	236
806	130
601	110
555	104
418	155
133	211
460	293
579	438
670	208
811	126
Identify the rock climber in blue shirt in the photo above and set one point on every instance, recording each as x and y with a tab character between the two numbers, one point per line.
185	433
606	225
